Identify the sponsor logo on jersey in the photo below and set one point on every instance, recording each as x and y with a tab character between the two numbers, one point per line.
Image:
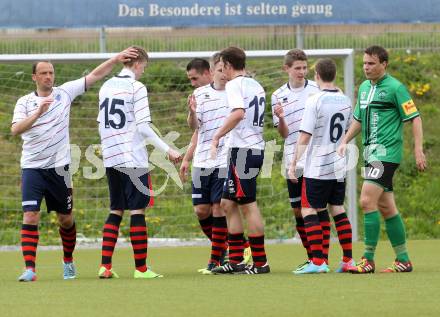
382	94
409	107
206	96
285	99
363	94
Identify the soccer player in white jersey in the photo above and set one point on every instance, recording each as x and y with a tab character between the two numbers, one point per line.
288	103
326	117
124	126
244	123
197	74
208	174
42	120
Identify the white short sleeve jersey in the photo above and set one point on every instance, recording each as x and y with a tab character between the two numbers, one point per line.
246	93
211	113
327	116
293	101
46	144
123	103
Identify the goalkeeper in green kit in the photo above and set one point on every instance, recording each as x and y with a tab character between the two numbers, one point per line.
383	105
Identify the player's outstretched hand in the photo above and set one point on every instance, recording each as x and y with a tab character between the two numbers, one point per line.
44	105
183	171
174	156
279	110
127	54
420	160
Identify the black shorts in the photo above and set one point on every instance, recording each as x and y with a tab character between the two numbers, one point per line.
380	173
207	185
295	192
130	188
244	165
54	184
317	193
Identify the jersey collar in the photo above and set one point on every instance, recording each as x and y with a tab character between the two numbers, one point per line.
298	89
385	76
126	73
36	93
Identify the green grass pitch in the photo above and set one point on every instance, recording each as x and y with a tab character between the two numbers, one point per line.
184	292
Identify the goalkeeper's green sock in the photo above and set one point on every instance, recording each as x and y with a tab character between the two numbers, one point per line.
396	233
372	230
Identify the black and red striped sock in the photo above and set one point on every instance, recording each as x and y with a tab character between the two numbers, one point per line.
218	242
257	248
343	227
68	239
110	234
245	243
314	236
139	241
302	234
206	225
235	241
29	243
324	220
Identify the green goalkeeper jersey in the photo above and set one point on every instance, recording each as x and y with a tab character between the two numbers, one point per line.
381	109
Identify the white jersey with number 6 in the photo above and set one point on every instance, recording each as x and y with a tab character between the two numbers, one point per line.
246	93
123	103
327	116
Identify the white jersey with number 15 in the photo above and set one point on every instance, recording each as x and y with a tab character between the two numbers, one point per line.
123	104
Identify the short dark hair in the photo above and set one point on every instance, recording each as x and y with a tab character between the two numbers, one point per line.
294	55
234	56
379	51
326	69
35	65
215	59
199	64
142	56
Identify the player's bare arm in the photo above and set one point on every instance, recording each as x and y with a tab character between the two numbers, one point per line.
105	68
231	122
25	124
186	161
282	125
354	130
417	131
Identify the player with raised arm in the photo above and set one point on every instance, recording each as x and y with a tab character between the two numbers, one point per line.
288	103
42	120
246	103
124	126
383	105
326	116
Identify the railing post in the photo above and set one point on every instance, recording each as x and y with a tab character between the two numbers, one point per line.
102	40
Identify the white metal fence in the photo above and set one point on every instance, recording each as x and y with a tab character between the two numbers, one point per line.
398	36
